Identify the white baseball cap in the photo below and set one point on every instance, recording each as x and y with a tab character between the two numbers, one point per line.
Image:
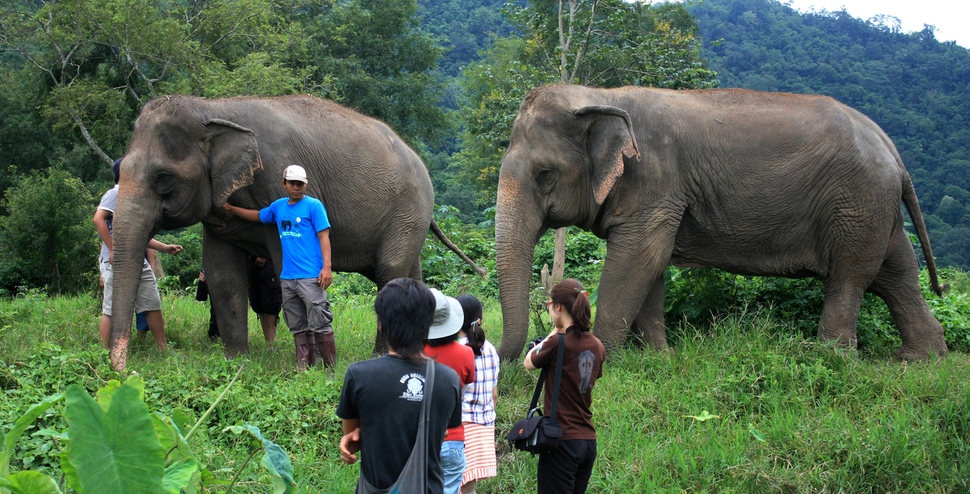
295	173
448	316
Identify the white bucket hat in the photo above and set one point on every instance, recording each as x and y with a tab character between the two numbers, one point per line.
295	173
448	316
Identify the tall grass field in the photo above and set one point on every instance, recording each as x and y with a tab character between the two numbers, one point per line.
744	404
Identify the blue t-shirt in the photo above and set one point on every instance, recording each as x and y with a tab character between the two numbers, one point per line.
298	225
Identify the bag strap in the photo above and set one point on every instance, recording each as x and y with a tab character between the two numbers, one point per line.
555	386
422	439
420	450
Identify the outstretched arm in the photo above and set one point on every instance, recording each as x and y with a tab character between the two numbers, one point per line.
246	214
166	248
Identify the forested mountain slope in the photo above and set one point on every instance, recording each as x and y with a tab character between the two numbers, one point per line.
915	87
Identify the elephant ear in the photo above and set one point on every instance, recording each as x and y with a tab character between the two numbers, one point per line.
609	139
233	158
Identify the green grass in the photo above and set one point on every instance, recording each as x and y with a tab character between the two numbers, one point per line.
784	414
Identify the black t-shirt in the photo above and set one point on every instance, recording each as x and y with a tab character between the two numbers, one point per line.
385	394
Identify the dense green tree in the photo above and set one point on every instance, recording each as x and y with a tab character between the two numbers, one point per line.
464	28
379	61
93	55
24	139
99	61
47	239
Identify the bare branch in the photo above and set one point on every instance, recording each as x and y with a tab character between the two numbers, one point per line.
87	137
583	47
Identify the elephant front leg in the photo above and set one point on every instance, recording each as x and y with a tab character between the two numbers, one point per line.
631	287
225	268
649	327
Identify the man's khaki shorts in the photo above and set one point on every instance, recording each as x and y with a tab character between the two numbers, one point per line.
147	299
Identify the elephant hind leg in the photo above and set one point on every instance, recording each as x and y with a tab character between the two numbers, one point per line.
897	283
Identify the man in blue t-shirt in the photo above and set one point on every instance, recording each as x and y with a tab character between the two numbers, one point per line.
305	236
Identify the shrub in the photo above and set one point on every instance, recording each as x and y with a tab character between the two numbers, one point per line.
182	270
47	239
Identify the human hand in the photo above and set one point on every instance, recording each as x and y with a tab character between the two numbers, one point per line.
326	277
173	249
349	446
532	344
202	276
260	262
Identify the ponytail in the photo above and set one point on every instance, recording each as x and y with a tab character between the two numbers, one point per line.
570	294
472	325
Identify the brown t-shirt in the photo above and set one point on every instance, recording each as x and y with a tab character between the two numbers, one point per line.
583	356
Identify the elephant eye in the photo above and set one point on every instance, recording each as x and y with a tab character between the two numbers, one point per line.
165	183
544	178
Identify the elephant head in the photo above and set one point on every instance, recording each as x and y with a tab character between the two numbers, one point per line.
180	165
565	156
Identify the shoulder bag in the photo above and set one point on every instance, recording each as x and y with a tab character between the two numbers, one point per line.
537	433
414	477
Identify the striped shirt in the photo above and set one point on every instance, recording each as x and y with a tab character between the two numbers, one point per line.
477	404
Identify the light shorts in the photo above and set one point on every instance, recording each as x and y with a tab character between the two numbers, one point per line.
147	298
305	306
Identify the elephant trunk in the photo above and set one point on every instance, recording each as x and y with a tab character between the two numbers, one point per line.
131	231
517	228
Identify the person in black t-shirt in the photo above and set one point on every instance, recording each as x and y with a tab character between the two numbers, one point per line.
380	403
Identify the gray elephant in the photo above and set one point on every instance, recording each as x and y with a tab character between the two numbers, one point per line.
754	183
189	155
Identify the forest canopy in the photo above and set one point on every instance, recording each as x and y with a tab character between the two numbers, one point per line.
448	76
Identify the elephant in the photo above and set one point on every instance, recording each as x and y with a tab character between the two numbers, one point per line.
753	183
189	155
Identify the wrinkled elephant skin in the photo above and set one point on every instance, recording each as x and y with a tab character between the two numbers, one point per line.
188	156
753	183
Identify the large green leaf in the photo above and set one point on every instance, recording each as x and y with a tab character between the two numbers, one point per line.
183	473
10	440
275	459
70	473
31	482
170	437
106	392
183	477
115	452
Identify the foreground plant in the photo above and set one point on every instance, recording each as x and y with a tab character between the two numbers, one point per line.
114	445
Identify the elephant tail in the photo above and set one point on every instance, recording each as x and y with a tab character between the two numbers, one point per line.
912	205
454	248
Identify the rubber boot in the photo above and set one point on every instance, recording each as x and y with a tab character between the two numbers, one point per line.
328	348
304	350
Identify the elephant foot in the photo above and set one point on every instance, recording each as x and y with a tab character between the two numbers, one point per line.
910	353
